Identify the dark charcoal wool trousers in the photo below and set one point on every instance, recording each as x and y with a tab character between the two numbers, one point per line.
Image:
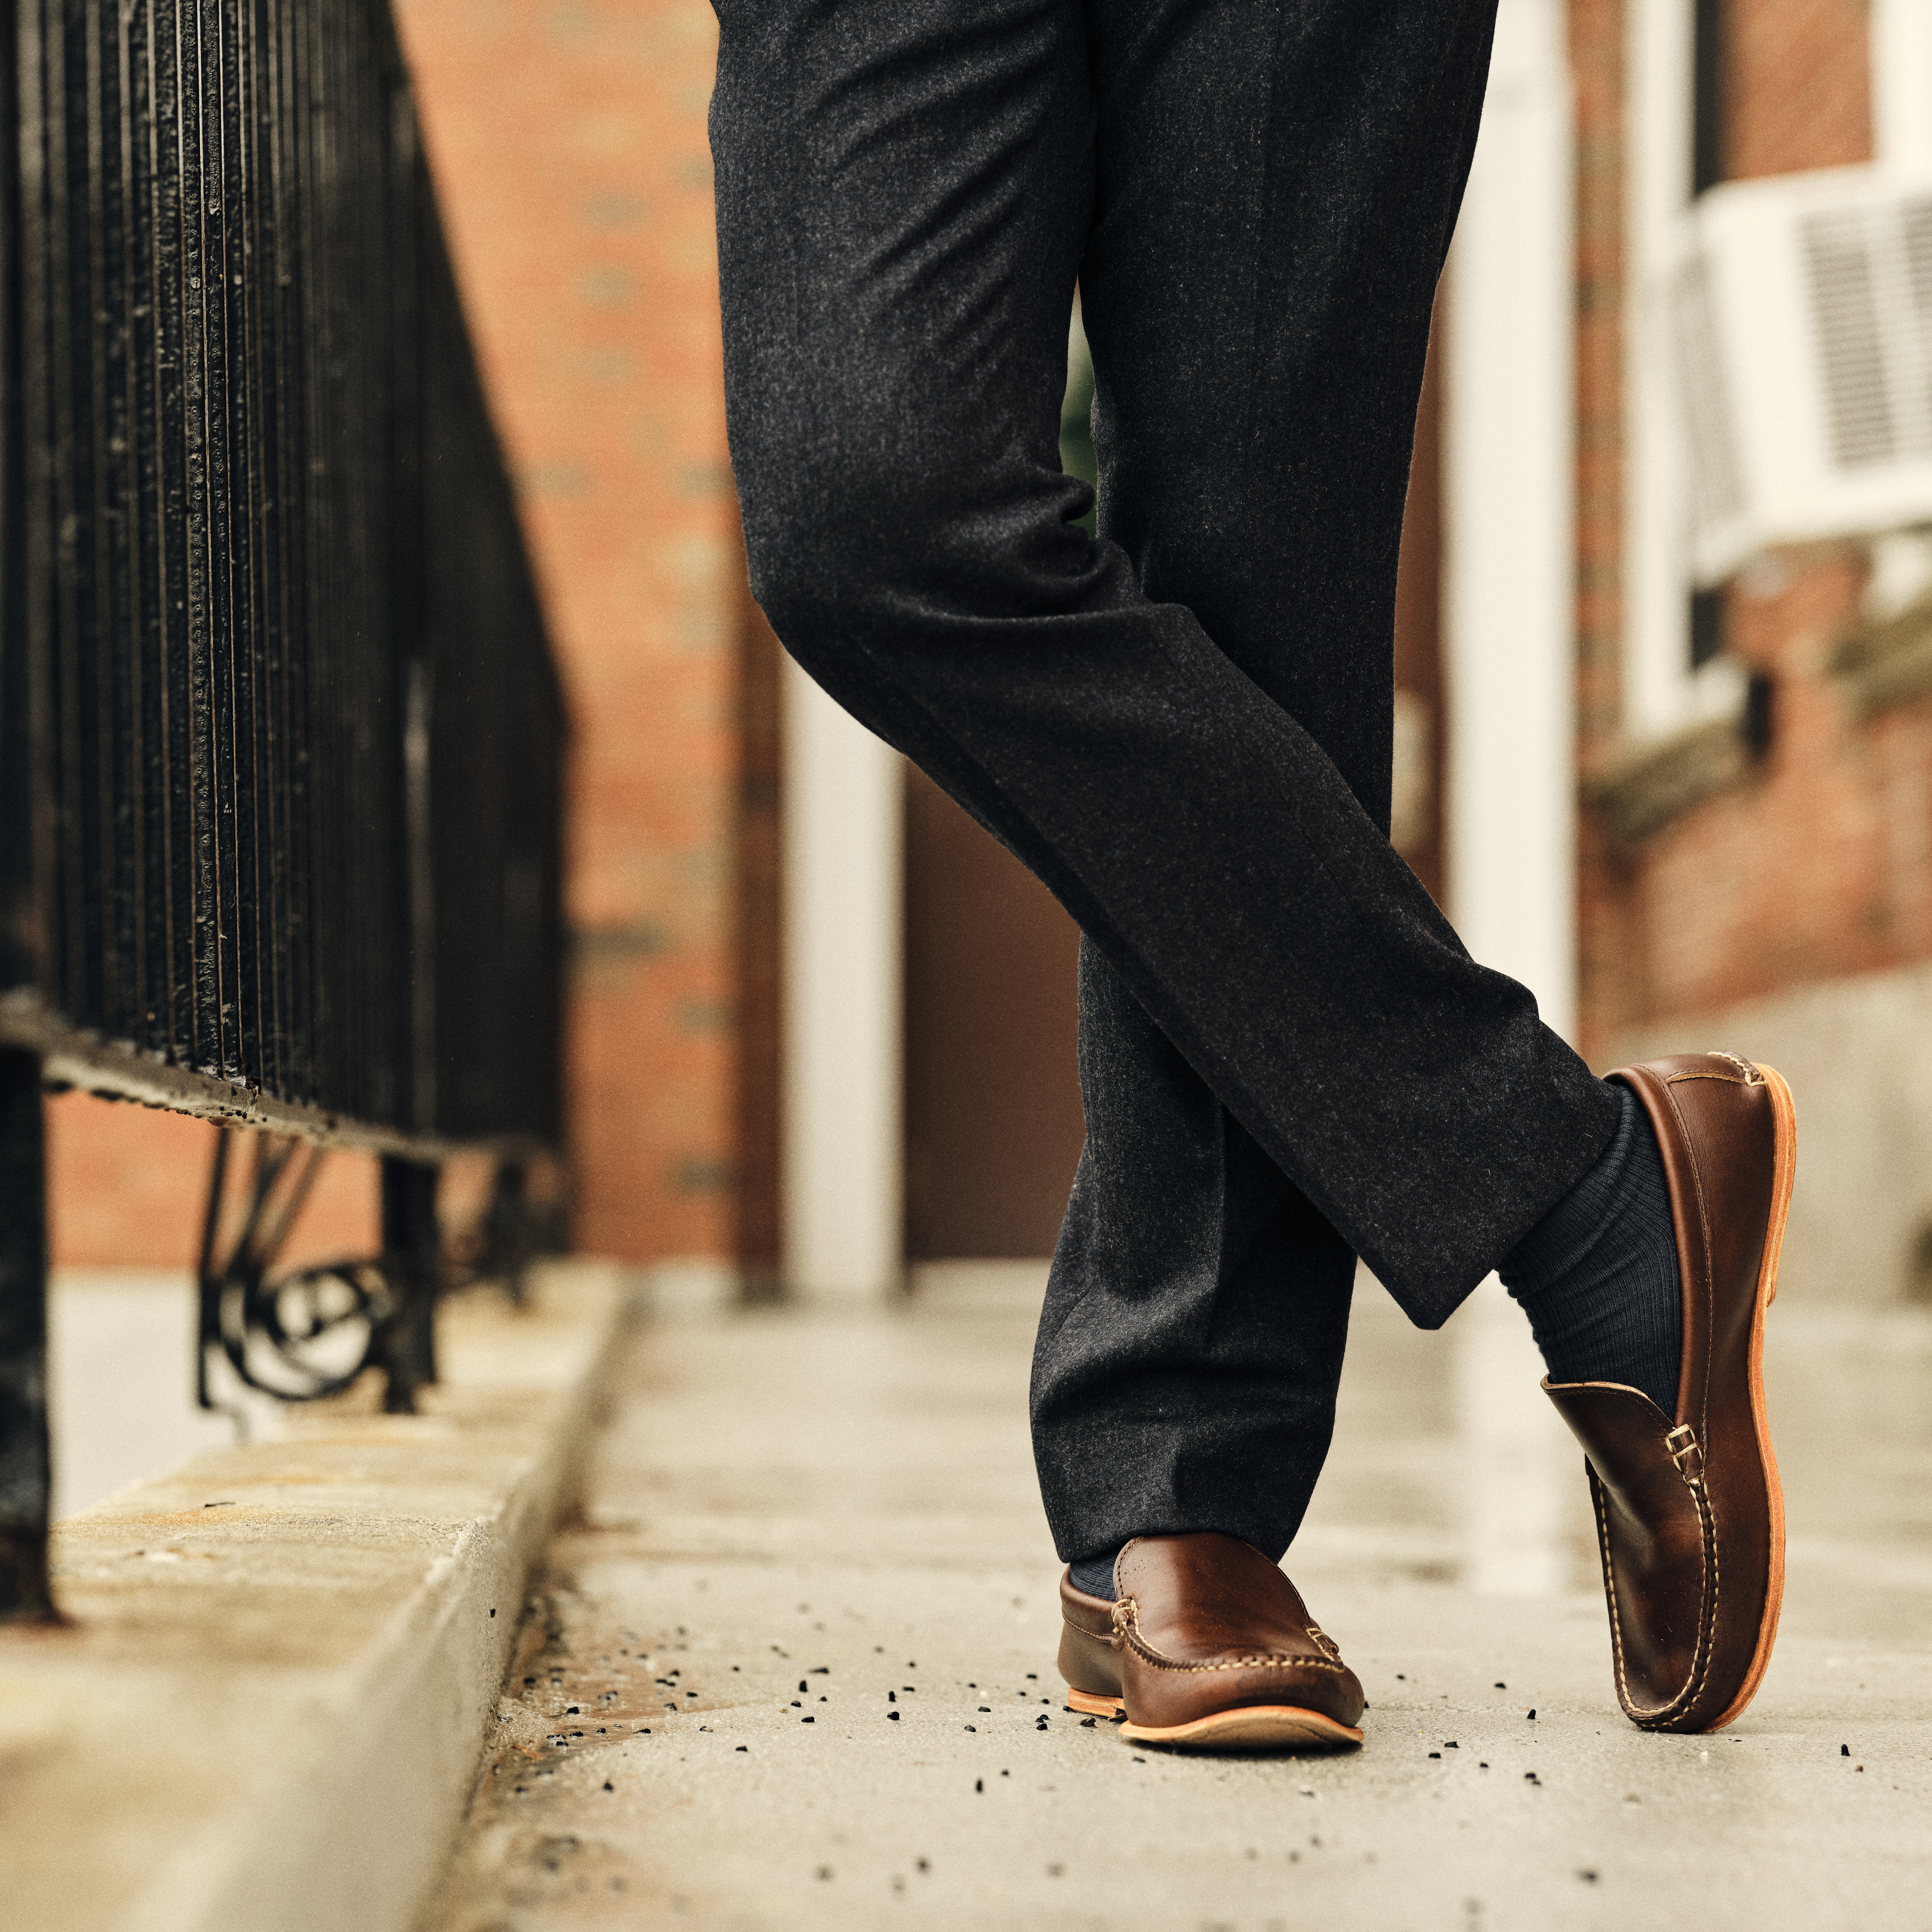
1183	727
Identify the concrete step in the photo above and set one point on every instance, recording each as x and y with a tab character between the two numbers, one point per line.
268	1711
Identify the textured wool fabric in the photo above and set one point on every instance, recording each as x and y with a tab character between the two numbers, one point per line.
1182	726
1597	1276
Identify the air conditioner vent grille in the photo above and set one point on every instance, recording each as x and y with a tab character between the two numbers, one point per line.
1870	271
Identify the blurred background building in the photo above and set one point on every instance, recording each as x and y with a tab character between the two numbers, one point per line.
1664	648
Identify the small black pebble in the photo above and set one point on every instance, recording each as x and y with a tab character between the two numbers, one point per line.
1532	1713
570	1710
1844	1750
492	1612
1400	1679
741	1747
972	1727
807	1720
893	1714
609	1786
1087	1724
891	1697
1449	1744
1435	1753
803	1685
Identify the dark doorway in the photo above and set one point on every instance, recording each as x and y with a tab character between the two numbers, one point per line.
992	1097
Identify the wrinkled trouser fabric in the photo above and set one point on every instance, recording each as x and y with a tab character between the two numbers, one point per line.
1184	727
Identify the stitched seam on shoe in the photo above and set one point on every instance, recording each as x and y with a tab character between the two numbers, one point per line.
1108	1639
1707	1632
1747	1075
1130	1628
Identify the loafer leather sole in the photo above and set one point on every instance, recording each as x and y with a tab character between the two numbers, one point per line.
1690	1512
1252	1727
1206	1647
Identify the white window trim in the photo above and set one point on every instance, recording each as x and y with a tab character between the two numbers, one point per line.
1901	59
1661	694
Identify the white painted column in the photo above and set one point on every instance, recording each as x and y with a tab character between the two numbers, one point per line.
1509	575
844	954
1509	556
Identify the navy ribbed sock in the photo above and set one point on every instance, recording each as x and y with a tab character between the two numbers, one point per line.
1597	1275
1095	1574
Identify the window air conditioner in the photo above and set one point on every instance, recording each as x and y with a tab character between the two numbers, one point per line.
1800	311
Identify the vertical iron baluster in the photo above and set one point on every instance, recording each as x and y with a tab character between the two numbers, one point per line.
26	1470
412	1250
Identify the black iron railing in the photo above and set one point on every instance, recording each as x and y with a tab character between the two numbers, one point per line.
280	738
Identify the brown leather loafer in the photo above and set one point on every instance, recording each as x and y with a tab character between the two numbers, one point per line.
1206	1645
1689	1514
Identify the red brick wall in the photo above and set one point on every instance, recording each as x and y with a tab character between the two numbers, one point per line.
568	141
1797	86
1816	865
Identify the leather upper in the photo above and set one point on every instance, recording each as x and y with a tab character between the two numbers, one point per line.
1202	1623
1689	1521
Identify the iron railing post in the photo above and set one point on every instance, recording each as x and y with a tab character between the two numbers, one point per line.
411	1254
26	1467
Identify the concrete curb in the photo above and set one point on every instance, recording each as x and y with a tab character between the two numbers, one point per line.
269	1713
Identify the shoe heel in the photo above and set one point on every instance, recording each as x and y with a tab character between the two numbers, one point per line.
1093	1705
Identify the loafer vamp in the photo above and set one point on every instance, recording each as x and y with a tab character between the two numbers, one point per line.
1654	1532
1205	1623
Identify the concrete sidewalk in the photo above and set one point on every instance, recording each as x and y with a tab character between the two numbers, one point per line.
795	1667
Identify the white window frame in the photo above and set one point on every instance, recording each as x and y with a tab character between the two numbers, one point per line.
1662	695
1901	66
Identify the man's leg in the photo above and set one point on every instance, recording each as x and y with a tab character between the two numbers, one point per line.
1276	188
905	192
1185	1375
